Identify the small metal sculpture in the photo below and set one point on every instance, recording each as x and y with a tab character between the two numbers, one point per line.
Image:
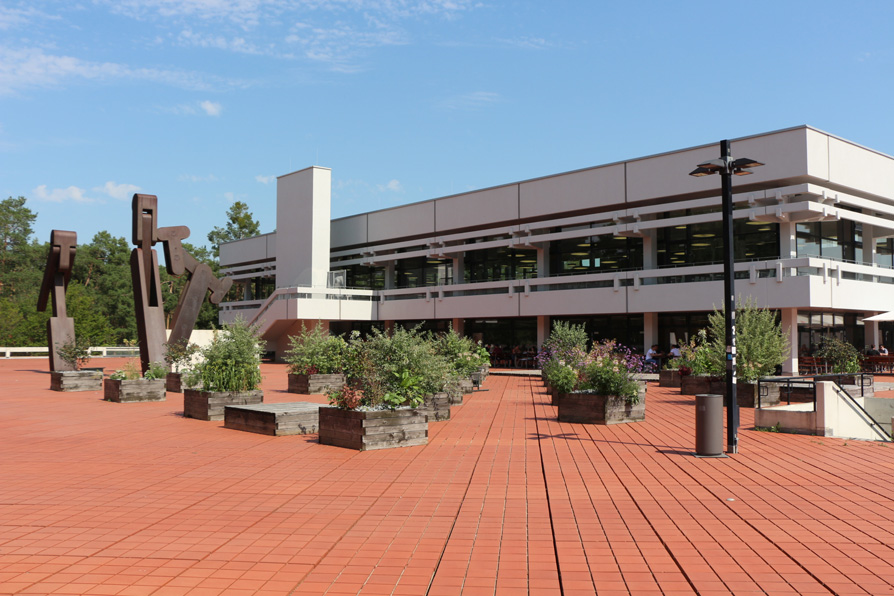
60	327
147	284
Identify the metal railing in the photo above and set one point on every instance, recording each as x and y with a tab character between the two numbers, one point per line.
95	352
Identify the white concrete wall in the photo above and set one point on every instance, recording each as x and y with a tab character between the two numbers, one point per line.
303	227
257	248
584	189
484	207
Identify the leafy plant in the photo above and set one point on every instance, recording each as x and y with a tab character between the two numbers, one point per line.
132	372
231	362
761	344
607	369
75	352
564	378
841	356
464	354
179	354
696	357
315	351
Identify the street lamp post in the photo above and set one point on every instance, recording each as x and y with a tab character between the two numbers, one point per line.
726	166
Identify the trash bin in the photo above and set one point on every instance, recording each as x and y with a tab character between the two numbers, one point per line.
709	425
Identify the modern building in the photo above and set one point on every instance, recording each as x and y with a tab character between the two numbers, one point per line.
632	249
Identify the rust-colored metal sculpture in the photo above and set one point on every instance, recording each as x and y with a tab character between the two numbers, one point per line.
60	261
147	285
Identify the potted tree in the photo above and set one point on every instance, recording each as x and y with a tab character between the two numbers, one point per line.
761	346
178	356
604	390
315	361
469	363
128	385
387	380
76	353
842	362
229	373
566	345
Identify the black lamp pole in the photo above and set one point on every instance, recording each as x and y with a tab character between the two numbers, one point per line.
729	301
726	167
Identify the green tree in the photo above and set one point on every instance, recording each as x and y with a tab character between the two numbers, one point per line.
761	344
102	267
16	228
240	224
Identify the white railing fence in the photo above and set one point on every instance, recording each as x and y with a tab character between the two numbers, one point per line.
95	352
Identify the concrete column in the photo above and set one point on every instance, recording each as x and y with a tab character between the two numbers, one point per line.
788	243
459	325
543	260
790	327
459	268
872	336
389	275
302	227
650	330
543	329
650	250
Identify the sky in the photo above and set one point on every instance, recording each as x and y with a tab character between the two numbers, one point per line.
205	102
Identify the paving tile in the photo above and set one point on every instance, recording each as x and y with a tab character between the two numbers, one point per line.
105	499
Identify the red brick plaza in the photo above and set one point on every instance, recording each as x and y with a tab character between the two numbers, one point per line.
133	499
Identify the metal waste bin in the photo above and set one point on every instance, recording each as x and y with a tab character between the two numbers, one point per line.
709	425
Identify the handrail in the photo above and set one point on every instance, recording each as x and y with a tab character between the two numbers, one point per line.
94	351
874	423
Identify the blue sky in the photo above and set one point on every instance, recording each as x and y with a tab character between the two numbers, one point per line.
204	102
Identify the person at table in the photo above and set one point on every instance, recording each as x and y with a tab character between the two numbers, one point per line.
882	351
653	356
675	351
873	352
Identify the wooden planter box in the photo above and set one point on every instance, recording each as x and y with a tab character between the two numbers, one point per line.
174	382
669	378
467	386
379	429
86	379
554	396
209	405
437	407
307	384
455	395
700	384
133	390
590	408
296	418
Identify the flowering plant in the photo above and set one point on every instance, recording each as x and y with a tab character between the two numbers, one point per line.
607	369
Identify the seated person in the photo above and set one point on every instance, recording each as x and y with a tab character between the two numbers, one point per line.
873	352
675	351
653	356
882	350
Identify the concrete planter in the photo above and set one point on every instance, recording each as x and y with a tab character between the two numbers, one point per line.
437	407
590	408
379	429
669	378
209	405
133	390
174	382
307	384
86	379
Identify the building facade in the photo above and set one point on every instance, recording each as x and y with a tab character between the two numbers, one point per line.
632	249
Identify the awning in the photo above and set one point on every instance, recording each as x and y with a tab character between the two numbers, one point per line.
885	316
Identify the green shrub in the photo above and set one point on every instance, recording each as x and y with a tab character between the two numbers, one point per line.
315	351
841	356
231	362
179	354
463	353
132	372
761	344
74	351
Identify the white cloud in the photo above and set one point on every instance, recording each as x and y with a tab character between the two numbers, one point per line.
470	101
265	179
237	44
392	185
212	108
121	192
31	67
528	43
60	195
195	178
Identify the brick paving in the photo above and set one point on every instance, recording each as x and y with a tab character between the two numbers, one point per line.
133	499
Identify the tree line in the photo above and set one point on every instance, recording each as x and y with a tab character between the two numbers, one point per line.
100	293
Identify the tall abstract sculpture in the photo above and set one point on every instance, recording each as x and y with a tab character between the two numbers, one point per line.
147	285
60	261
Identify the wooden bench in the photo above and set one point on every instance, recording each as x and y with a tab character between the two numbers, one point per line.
878	364
294	418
